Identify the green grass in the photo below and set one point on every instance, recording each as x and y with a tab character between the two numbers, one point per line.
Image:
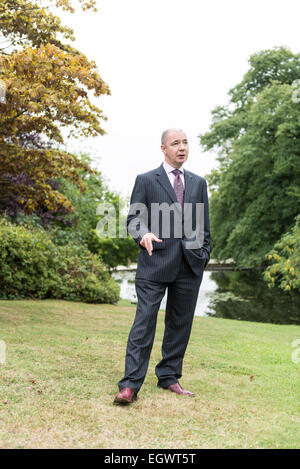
75	352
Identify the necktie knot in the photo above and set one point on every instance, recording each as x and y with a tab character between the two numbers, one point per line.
176	172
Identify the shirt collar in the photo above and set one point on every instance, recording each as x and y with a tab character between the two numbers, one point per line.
169	168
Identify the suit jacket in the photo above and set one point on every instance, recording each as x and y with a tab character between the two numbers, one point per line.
150	190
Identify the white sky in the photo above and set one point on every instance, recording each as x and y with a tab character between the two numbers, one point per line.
168	64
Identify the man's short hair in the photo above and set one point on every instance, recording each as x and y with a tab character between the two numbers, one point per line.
166	132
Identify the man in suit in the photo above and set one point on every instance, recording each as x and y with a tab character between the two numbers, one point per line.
169	258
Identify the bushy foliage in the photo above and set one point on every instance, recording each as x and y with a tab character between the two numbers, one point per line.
33	266
114	252
284	270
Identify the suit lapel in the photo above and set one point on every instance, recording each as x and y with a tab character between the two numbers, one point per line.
164	181
188	184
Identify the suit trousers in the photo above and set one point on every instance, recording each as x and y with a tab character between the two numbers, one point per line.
181	302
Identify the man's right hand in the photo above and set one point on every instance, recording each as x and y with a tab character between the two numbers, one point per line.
146	242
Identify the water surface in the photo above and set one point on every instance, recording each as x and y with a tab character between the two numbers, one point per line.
234	295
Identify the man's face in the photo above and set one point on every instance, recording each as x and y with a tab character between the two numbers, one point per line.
176	148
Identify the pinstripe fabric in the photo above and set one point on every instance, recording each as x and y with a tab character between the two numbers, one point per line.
163	265
171	267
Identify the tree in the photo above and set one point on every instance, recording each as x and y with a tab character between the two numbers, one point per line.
256	189
47	87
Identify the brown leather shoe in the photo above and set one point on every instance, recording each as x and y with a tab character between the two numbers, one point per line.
125	396
179	390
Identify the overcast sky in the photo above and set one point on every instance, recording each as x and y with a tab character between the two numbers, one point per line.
168	64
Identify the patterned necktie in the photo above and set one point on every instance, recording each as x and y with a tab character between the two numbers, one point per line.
178	186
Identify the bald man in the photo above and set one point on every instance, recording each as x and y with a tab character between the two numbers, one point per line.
169	260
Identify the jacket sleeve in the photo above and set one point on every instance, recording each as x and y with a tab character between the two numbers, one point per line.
206	244
137	219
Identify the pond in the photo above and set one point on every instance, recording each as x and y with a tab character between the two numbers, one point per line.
234	295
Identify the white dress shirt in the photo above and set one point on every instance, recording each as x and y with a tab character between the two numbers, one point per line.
168	168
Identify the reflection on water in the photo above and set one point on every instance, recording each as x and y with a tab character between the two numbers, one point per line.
233	294
244	295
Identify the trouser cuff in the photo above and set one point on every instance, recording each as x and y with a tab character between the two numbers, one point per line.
166	382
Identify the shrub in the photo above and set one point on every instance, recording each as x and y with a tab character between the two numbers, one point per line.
33	266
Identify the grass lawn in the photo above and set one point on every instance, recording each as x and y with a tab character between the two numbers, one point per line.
74	353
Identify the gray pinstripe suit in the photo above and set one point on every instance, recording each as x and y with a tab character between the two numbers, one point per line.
172	265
